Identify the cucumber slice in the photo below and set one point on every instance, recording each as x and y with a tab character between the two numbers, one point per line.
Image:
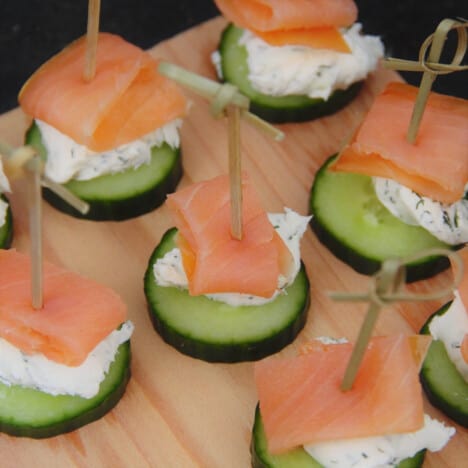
276	109
445	387
6	230
297	458
217	332
349	219
262	458
26	412
120	196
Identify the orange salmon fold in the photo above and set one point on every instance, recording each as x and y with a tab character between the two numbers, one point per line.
293	21
317	38
77	314
213	260
126	99
435	166
301	401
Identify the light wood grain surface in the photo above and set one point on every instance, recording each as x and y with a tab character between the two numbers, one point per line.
179	411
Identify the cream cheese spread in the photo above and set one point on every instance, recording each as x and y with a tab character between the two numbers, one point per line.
448	223
302	70
68	160
381	451
38	372
450	328
4	187
169	271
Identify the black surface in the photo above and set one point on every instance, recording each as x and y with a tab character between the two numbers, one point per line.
32	30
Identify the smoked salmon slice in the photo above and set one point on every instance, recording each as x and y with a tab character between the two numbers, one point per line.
213	260
301	401
77	314
317	38
306	22
126	99
436	165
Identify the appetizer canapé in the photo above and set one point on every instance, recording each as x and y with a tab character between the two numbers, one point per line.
66	364
113	141
221	299
444	373
304	419
296	60
386	197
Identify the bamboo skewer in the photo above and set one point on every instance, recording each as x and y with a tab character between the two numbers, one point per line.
27	158
225	98
94	7
386	288
431	68
235	176
389	280
35	226
17	158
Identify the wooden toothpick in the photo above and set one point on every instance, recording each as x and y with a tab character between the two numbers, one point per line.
235	176
225	100
35	230
431	68
92	33
386	288
16	159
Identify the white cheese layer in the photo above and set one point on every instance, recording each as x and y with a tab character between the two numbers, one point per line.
301	70
383	451
450	328
38	372
3	212
448	223
4	187
169	271
68	160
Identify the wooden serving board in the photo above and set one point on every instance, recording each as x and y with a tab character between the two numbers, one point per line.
179	411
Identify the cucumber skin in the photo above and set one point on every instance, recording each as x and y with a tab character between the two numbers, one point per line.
217	352
298	458
278	109
116	209
108	402
361	263
6	231
437	388
121	210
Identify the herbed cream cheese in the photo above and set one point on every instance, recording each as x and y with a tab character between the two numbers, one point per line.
4	187
448	223
68	160
169	270
450	328
38	372
381	451
301	70
3	212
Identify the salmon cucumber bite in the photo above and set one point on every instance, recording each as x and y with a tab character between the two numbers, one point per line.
113	140
221	299
296	60
65	364
384	197
444	374
304	418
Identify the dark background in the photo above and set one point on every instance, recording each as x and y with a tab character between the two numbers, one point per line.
32	30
